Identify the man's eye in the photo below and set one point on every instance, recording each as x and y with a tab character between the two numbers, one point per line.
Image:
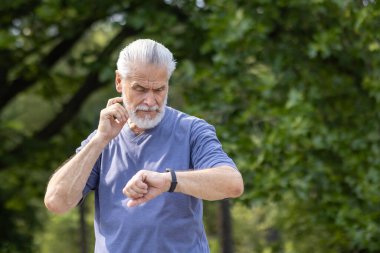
140	89
160	89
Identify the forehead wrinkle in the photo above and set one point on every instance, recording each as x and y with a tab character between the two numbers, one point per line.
153	85
146	77
147	70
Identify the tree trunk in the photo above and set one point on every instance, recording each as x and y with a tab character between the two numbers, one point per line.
83	229
226	240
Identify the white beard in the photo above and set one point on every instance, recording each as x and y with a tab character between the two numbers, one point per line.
146	122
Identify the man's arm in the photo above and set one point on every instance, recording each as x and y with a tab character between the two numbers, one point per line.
211	184
64	190
208	184
65	187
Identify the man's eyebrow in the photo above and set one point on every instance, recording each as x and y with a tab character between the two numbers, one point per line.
163	86
137	85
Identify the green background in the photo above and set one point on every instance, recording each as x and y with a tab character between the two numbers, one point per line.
292	88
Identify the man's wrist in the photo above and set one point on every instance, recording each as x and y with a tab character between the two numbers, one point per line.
100	140
173	181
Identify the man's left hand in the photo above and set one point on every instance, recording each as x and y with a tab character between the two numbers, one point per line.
146	185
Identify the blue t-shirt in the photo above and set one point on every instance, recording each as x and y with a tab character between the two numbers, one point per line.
172	222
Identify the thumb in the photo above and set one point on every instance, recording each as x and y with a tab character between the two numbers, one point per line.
135	202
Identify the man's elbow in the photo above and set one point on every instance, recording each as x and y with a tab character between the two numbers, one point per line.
237	188
236	185
55	206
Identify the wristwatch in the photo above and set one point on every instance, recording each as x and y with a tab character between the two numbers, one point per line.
174	182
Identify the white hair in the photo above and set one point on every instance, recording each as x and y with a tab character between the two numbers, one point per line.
145	51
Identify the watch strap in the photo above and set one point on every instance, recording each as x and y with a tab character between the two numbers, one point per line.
174	182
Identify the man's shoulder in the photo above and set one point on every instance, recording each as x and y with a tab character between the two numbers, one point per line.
184	124
177	115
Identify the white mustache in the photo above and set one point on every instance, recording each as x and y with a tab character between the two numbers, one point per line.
146	108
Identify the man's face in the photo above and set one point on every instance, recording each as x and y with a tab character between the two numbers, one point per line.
144	93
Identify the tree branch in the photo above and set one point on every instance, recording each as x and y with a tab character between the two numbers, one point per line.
7	15
91	84
69	110
10	90
28	146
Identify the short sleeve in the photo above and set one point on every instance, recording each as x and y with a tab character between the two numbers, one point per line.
206	149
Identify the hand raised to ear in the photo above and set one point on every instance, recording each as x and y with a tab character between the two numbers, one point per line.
112	119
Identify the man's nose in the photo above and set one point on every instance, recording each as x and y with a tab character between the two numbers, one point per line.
149	99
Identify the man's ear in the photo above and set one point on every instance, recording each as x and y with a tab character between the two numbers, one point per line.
118	82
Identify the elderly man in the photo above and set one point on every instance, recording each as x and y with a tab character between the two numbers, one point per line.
149	164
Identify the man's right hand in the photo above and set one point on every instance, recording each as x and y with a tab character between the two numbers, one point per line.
66	186
112	119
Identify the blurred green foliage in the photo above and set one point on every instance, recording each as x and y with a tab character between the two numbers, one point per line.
291	86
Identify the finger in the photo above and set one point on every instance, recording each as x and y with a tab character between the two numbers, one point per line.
122	112
139	191
118	118
136	202
143	187
131	190
117	113
114	101
137	184
131	193
136	187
